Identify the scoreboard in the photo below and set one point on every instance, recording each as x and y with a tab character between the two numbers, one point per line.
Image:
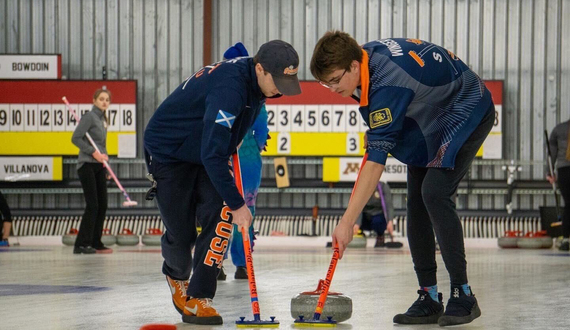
320	123
314	123
45	117
34	120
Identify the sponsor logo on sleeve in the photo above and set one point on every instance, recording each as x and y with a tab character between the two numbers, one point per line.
380	117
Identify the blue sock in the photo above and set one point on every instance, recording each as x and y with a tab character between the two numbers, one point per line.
466	289
432	290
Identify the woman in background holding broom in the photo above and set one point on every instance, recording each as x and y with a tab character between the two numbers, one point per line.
92	174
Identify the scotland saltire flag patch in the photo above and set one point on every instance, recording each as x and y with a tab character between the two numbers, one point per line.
225	119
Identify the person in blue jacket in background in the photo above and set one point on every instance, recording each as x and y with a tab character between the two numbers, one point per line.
188	143
426	108
250	158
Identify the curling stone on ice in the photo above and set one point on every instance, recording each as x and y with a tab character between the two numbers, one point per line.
69	238
535	240
152	237
547	240
510	240
107	239
127	238
358	241
337	305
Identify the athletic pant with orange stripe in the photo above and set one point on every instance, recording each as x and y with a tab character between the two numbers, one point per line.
186	198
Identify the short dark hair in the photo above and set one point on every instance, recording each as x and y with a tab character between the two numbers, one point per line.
335	50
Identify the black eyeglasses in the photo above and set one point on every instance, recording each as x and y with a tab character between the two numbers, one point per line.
333	82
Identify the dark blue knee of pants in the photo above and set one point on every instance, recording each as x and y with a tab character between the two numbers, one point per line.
376	222
185	197
379	223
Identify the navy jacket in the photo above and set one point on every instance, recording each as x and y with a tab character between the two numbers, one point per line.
420	101
204	120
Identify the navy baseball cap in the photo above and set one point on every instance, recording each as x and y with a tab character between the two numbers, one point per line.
282	61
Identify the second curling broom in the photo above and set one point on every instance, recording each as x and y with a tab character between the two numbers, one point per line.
316	320
257	322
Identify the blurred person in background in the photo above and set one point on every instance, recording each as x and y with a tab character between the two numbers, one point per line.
378	214
560	150
6	221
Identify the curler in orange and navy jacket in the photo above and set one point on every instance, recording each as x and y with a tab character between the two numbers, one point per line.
204	120
420	101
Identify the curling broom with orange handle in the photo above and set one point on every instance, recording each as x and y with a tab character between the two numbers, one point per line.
316	320
128	201
257	322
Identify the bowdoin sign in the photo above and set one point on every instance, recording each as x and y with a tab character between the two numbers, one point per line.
30	66
30	169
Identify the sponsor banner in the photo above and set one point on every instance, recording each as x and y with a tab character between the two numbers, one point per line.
30	66
345	169
30	169
395	171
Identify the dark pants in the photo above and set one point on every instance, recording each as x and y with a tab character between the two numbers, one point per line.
374	222
94	182
5	214
185	196
563	181
431	205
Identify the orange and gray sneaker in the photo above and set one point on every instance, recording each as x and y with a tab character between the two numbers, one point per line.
178	289
200	311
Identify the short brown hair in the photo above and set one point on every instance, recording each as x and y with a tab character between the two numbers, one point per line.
99	91
335	50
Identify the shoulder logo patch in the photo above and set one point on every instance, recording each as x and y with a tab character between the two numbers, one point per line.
380	117
225	119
